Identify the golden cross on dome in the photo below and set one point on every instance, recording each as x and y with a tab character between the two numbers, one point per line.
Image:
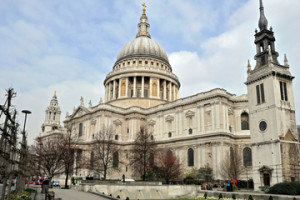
144	8
54	92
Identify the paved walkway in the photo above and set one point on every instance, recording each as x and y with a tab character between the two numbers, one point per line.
66	194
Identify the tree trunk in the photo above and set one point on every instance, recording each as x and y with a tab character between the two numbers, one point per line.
67	176
3	188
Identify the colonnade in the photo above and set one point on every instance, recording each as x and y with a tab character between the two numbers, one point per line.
141	87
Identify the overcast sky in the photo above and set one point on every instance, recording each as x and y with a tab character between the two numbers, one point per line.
70	46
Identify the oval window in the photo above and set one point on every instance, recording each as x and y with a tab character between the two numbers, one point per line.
262	126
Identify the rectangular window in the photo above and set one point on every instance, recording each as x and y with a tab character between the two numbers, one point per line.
257	94
283	91
260	94
80	130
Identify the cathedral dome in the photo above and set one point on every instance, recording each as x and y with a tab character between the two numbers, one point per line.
143	46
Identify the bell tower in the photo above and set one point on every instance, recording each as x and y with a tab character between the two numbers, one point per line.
271	109
52	118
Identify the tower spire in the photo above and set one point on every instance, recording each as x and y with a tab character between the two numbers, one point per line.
143	26
263	22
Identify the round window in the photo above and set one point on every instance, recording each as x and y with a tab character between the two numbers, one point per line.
262	126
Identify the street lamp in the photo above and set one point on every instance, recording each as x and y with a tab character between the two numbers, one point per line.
26	112
22	161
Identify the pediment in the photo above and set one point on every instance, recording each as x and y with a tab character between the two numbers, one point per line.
265	168
117	122
151	122
289	137
169	118
79	112
190	113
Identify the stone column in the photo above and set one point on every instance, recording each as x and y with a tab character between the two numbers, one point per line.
217	105
202	119
114	89
165	90
158	88
142	89
119	87
134	86
174	98
225	118
170	91
198	119
213	116
109	96
150	88
105	98
126	91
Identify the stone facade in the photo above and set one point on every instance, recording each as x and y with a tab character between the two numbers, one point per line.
142	90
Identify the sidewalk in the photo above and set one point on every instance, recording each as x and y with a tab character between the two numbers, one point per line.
39	195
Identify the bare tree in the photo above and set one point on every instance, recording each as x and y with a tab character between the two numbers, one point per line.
8	141
50	155
231	166
143	151
105	152
68	158
169	167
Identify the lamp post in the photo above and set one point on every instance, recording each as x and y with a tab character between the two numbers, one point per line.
26	112
22	165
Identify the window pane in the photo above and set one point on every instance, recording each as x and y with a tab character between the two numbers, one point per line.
116	159
247	157
281	90
257	94
190	157
285	92
262	93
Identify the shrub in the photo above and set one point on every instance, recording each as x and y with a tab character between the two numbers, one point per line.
250	197
234	187
233	196
270	198
205	195
30	190
285	188
127	198
23	196
118	197
220	196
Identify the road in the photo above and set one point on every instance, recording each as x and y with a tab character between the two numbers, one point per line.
75	195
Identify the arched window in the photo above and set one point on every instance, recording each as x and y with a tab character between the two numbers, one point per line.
170	134
190	131
247	156
116	160
190	157
116	137
245	121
